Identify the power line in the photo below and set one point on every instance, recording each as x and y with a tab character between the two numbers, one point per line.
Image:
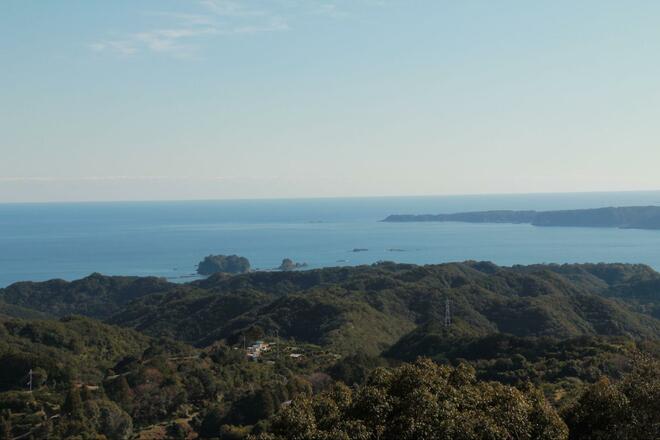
447	313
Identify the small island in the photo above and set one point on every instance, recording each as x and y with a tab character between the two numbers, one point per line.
288	264
630	217
232	264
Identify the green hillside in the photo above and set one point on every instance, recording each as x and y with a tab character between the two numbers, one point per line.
14	311
366	308
96	296
74	349
170	360
369	308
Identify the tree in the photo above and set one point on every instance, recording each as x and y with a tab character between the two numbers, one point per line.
229	432
212	422
420	401
5	426
629	409
73	406
176	432
74	421
112	421
355	368
119	391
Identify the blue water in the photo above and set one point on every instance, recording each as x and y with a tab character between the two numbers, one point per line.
69	240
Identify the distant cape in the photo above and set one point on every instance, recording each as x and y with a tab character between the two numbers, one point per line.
630	217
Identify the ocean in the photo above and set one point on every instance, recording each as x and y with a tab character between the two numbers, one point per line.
168	239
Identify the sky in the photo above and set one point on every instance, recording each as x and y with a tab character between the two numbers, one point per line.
215	99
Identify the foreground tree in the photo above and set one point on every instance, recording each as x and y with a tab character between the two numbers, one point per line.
629	409
420	401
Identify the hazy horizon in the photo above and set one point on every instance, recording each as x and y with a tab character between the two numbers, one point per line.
220	99
348	197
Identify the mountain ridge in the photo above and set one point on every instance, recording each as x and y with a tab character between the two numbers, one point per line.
628	217
369	307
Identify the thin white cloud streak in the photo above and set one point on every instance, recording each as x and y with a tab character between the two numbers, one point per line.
217	18
187	19
176	40
118	46
169	40
227	8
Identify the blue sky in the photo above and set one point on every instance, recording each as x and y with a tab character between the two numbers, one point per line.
190	99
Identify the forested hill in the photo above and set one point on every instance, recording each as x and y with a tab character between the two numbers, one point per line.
367	308
632	217
95	296
170	361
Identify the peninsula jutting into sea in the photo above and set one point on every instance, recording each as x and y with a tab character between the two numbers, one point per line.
630	217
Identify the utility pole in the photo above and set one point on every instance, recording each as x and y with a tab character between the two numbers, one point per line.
30	379
447	313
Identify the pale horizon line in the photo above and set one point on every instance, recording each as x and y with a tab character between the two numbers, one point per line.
301	198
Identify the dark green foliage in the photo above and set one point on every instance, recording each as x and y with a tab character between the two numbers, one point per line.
374	305
72	413
91	417
625	410
515	360
109	419
548	330
60	352
212	422
96	296
119	391
232	264
263	402
420	401
229	432
369	308
355	368
14	311
73	406
187	314
176	432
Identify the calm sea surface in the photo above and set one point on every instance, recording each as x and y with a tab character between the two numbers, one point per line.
69	241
